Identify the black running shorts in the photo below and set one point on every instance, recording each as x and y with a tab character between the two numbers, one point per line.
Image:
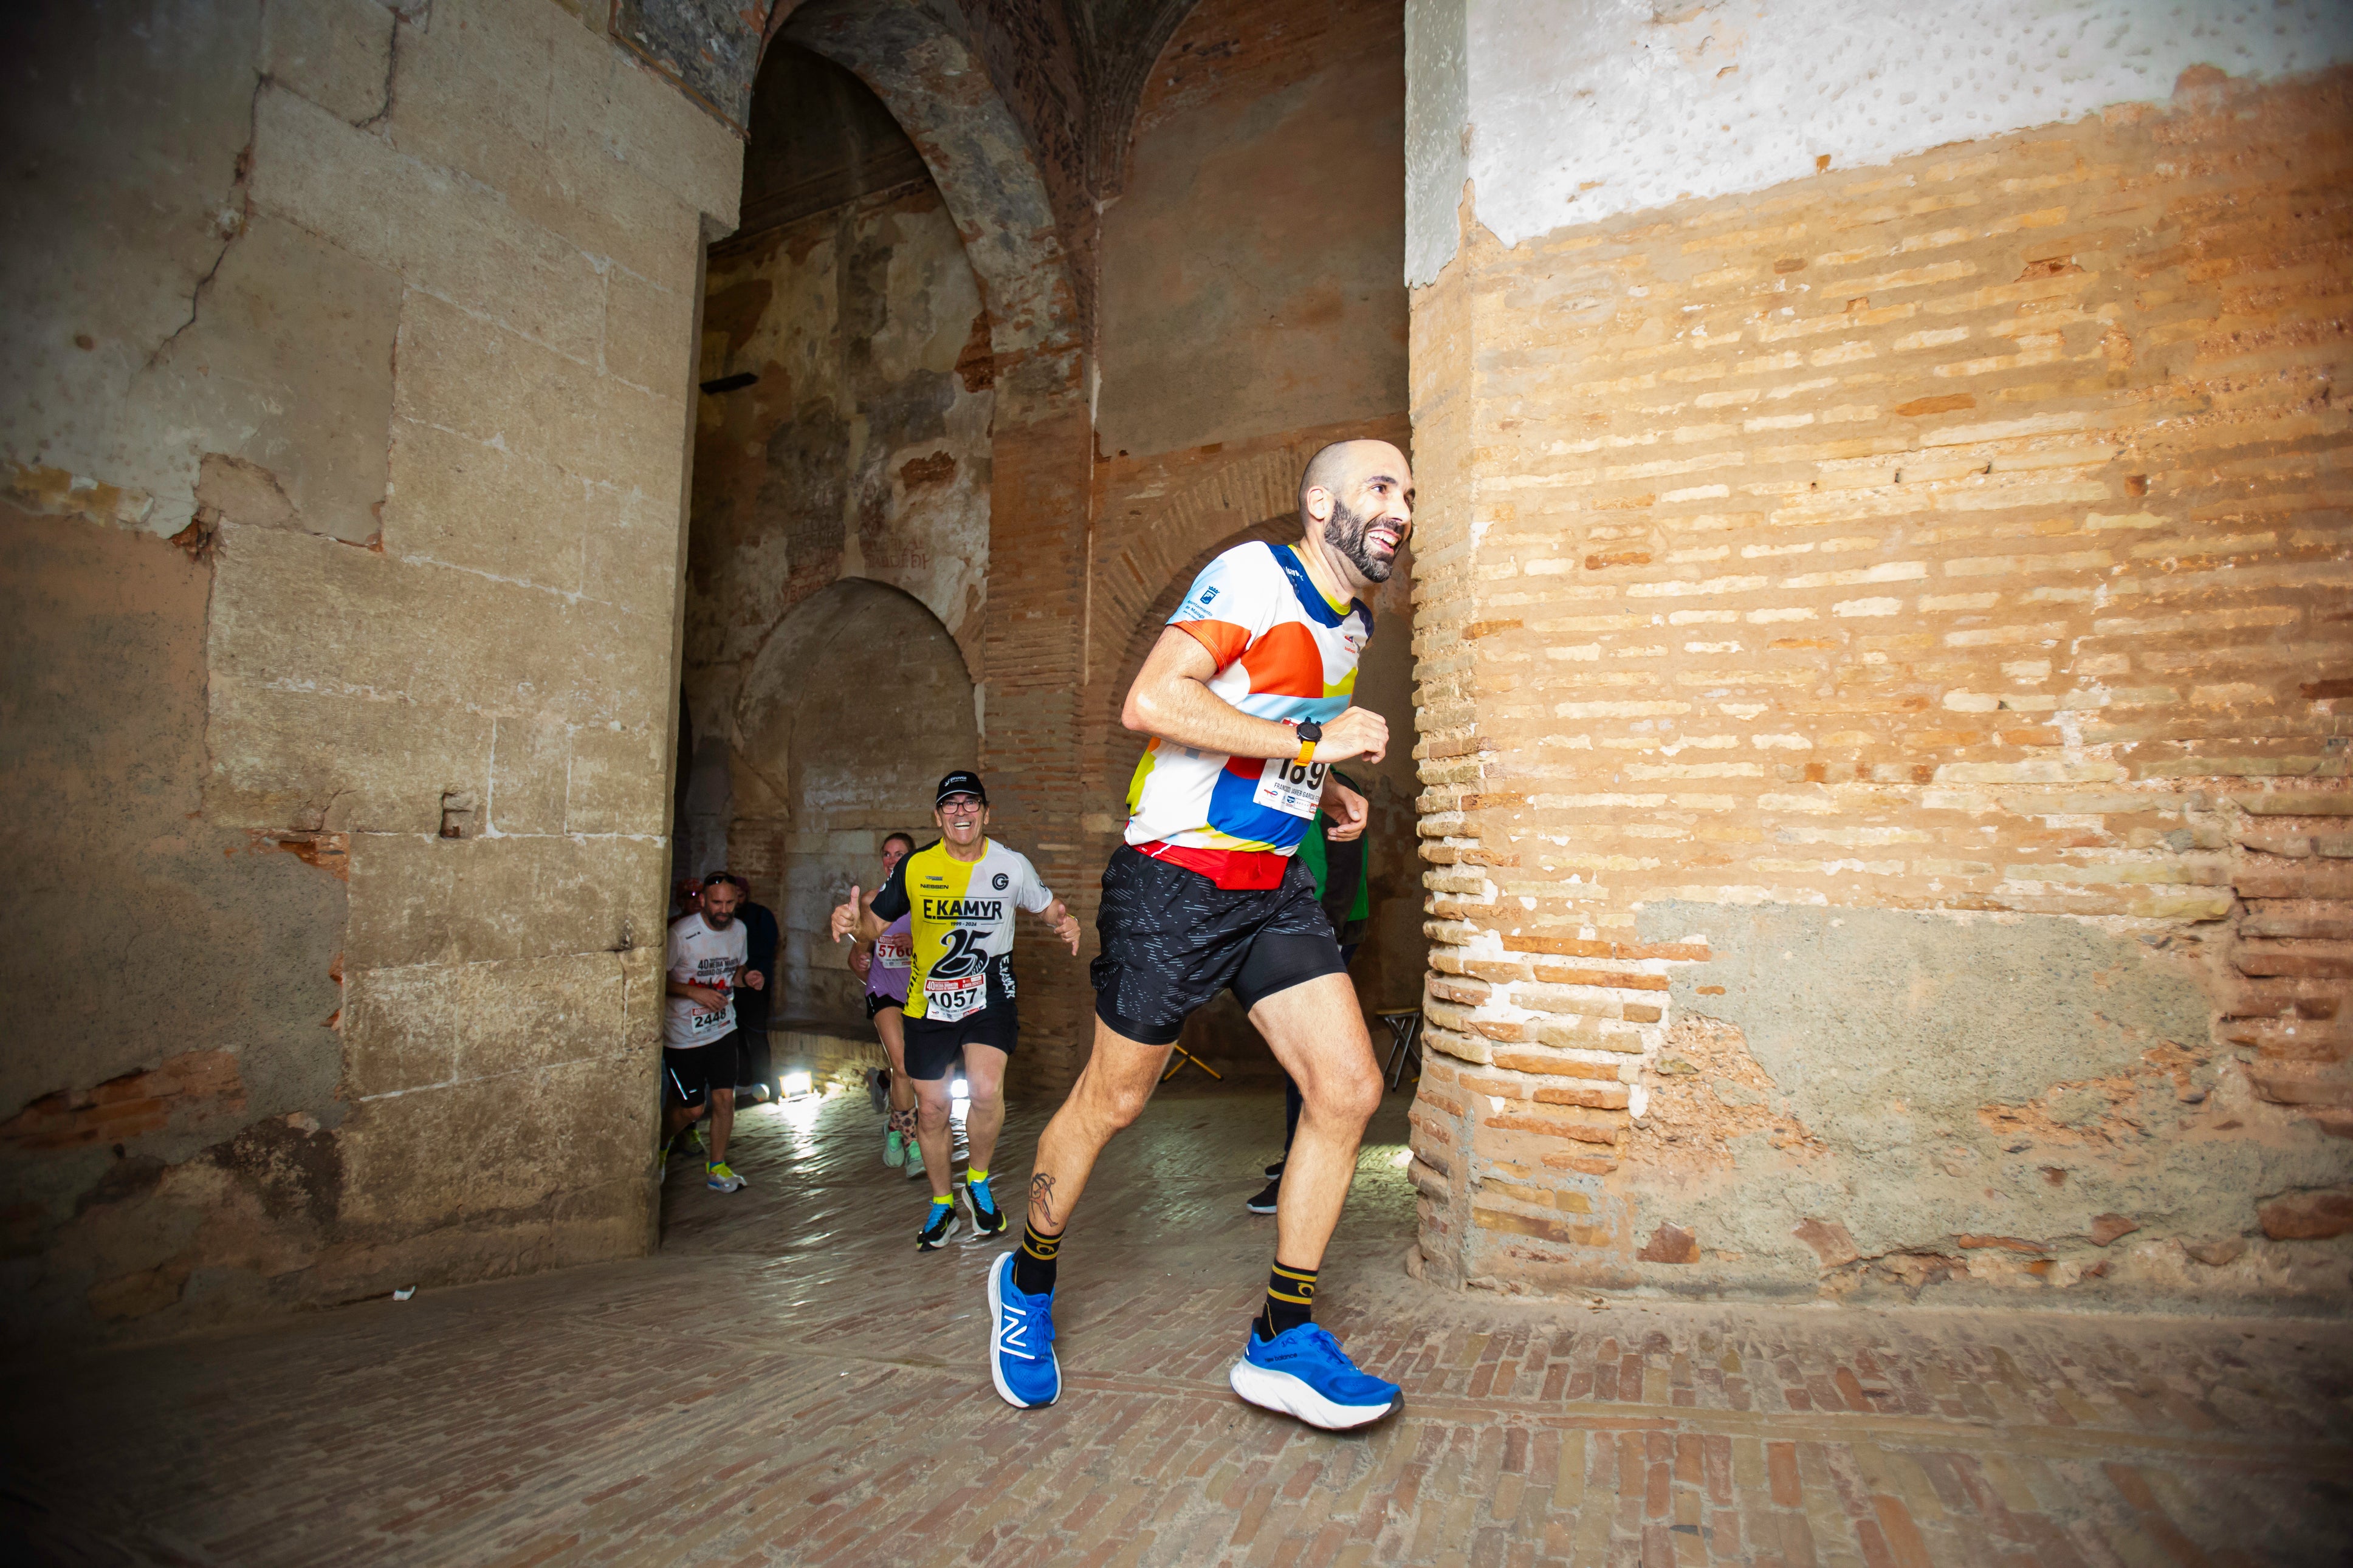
876	1003
1172	939
689	1076
932	1047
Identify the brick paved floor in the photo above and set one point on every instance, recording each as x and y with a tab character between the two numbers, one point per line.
790	1382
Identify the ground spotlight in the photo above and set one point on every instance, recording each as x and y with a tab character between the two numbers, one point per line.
796	1084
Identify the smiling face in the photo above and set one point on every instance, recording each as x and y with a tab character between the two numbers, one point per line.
1357	497
895	848
962	818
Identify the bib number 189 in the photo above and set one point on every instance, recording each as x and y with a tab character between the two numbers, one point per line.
1287	786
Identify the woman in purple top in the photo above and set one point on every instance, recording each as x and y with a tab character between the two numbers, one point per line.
884	964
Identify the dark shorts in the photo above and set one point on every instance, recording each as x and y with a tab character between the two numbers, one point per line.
932	1047
1172	939
689	1076
876	1003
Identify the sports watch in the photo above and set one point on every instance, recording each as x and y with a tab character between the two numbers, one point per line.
1310	732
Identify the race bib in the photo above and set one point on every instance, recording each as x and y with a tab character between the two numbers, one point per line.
945	1001
1288	788
894	951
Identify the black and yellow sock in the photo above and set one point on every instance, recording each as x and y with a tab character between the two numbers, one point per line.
1034	1259
1290	1299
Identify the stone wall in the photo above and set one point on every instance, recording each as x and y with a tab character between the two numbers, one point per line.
345	441
1882	648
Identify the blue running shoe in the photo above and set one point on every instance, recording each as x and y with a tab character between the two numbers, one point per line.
1021	1342
1304	1372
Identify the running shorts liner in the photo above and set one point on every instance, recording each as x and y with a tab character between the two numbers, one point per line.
690	1075
875	1004
931	1047
1172	939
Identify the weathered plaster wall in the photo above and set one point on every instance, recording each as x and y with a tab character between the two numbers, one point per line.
1251	312
863	449
1882	650
352	795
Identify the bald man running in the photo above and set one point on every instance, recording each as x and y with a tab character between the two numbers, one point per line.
1247	699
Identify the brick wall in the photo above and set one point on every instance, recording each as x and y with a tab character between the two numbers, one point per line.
1882	650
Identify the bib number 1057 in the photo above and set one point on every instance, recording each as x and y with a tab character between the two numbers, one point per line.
1287	786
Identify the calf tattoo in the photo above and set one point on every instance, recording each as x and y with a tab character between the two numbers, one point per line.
1041	1194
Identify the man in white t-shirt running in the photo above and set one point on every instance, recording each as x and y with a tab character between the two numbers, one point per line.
701	1055
1248	699
961	893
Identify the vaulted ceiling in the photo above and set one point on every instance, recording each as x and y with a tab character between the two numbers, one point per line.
1067	75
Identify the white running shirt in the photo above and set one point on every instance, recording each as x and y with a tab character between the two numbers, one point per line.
701	956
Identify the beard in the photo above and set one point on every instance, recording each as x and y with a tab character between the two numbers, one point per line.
1345	533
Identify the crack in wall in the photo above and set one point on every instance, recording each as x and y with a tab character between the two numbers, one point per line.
241	197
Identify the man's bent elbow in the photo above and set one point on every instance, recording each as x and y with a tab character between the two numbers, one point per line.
1135	713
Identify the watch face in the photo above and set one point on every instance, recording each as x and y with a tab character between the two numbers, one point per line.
1311	731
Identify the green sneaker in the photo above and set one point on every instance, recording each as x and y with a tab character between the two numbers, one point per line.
894	1148
721	1179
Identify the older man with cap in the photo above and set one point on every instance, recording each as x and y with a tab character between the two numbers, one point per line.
960	893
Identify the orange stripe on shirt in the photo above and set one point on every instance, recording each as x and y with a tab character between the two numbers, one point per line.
1224	640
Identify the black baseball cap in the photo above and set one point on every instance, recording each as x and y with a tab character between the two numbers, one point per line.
964	781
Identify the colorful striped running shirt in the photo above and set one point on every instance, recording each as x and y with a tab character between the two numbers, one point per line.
1284	652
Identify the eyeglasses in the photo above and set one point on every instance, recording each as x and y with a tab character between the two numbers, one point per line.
960	804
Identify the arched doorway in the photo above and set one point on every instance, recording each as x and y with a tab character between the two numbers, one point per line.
846	720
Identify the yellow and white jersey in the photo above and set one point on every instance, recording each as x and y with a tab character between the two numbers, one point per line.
961	925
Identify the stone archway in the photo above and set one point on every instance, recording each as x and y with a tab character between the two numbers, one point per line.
1029	671
847	718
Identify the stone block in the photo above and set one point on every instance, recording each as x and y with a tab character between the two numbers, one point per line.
441	234
286	757
525	1015
498	512
336	53
523	898
121	162
287	365
617	666
557	1134
497	388
300	613
392	1182
636	120
401	888
400	1030
472	89
648	335
614	215
530	757
632	555
618	781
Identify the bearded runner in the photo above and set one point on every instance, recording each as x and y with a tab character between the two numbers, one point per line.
958	896
1247	700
